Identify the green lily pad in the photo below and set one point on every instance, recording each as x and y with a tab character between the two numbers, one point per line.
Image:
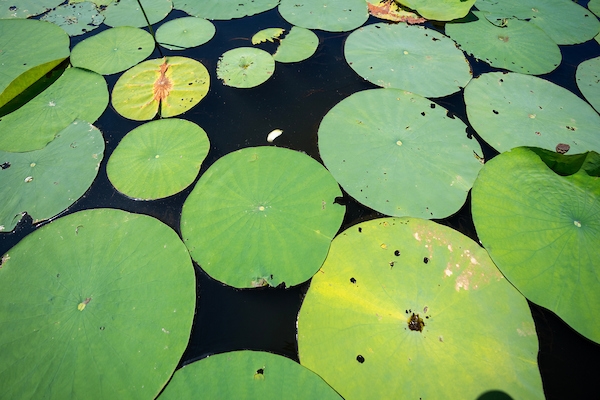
262	216
298	45
113	50
96	2
25	8
267	34
224	9
75	19
158	159
246	375
183	33
76	94
518	46
588	81
47	46
563	20
510	110
171	84
541	228
42	182
441	10
100	304
399	153
407	308
327	15
129	13
408	57
594	6
245	67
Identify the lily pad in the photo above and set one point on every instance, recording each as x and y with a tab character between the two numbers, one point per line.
245	67
407	308
298	45
41	182
224	9
402	56
262	216
246	375
158	159
267	34
399	153
100	304
510	110
541	228
113	50
392	11
129	13
47	46
172	85
518	46
327	15
183	33
26	8
594	6
76	94
441	10
588	81
75	19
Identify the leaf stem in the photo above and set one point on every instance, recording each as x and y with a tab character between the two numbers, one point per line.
150	27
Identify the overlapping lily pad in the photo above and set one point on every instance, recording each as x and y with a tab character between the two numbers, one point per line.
100	304
518	46
26	8
183	33
327	15
76	94
172	85
441	10
536	212
510	110
399	153
407	308
245	67
298	45
268	34
407	57
158	159
262	216
113	50
224	9
75	19
588	81
246	375
129	13
392	11
42	183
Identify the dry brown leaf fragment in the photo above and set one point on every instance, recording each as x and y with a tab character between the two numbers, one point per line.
163	84
392	11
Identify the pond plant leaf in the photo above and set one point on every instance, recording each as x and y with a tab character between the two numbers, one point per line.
588	81
96	2
245	67
517	45
407	308
100	305
298	45
25	8
594	6
440	10
184	33
398	153
408	57
158	159
392	11
75	19
47	46
76	94
113	50
327	15
536	213
246	375
42	183
129	13
224	9
171	84
510	110
563	20
262	216
267	34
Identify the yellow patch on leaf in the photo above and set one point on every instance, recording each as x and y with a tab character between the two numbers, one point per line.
392	11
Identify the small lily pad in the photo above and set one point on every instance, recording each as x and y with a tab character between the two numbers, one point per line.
183	33
129	13
267	34
588	81
327	15
75	19
298	45
224	9
245	67
158	159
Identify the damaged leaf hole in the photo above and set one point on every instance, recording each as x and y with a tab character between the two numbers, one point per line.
425	260
360	359
353	280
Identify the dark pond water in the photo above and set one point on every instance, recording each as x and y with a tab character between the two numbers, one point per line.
295	100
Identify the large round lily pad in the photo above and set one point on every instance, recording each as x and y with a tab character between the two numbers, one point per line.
224	9
171	85
75	19
327	15
510	110
541	228
76	94
399	153
245	67
262	216
113	50
518	46
246	375
441	10
407	57
158	159
298	45
45	182
183	33
407	308
100	304
129	13
588	81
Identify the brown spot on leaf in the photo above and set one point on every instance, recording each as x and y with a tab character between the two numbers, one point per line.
562	148
163	84
392	11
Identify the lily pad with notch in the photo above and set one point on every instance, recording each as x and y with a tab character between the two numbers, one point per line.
245	67
75	19
129	13
298	45
225	9
327	15
184	33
